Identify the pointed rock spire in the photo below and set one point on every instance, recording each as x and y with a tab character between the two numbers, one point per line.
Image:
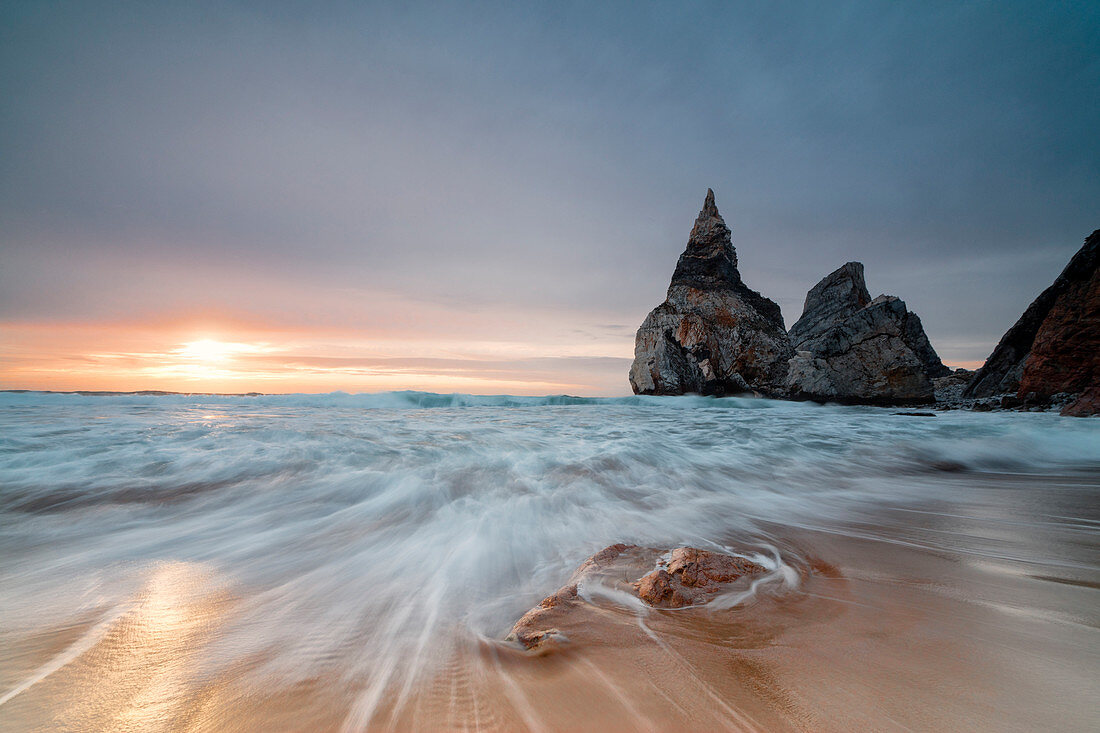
709	207
709	261
712	335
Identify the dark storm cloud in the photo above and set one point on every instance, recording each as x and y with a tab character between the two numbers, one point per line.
545	157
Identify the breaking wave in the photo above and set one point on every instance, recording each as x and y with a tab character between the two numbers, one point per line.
407	399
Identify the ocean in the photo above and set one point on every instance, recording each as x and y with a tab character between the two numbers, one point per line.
354	562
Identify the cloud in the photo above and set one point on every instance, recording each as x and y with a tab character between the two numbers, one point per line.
528	174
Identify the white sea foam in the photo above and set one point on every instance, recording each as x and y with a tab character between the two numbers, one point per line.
358	531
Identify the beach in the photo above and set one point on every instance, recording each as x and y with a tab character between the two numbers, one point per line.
355	562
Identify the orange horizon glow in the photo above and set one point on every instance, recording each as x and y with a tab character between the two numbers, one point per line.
971	365
241	357
68	357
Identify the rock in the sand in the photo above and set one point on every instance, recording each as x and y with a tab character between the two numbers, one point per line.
533	630
687	577
1055	345
712	335
852	349
691	577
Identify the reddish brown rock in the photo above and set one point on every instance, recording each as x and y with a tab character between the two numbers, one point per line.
1087	405
1065	356
691	576
533	629
688	577
657	589
1055	345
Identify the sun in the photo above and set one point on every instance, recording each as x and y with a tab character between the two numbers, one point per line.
207	350
211	350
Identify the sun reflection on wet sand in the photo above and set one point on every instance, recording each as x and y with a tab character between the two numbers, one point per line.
135	671
150	667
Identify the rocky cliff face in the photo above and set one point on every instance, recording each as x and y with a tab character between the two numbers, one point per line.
712	335
850	348
1056	342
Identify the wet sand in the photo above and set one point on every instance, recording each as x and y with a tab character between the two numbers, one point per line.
983	615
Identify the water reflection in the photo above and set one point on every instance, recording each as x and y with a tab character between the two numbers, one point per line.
135	671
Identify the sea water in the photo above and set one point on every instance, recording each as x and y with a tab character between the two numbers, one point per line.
281	539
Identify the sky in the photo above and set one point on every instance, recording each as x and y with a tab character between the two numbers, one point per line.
489	197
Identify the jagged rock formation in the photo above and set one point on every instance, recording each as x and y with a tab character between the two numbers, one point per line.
712	335
1055	346
853	349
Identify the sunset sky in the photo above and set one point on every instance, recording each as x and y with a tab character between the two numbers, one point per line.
489	198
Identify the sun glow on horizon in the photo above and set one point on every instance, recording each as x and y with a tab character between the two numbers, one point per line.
204	360
207	350
235	359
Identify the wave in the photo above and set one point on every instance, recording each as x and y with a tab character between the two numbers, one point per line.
407	399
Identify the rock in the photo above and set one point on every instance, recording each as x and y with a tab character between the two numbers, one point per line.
1055	345
1086	405
686	576
1062	400
531	630
1065	356
852	349
948	390
838	295
691	576
712	334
